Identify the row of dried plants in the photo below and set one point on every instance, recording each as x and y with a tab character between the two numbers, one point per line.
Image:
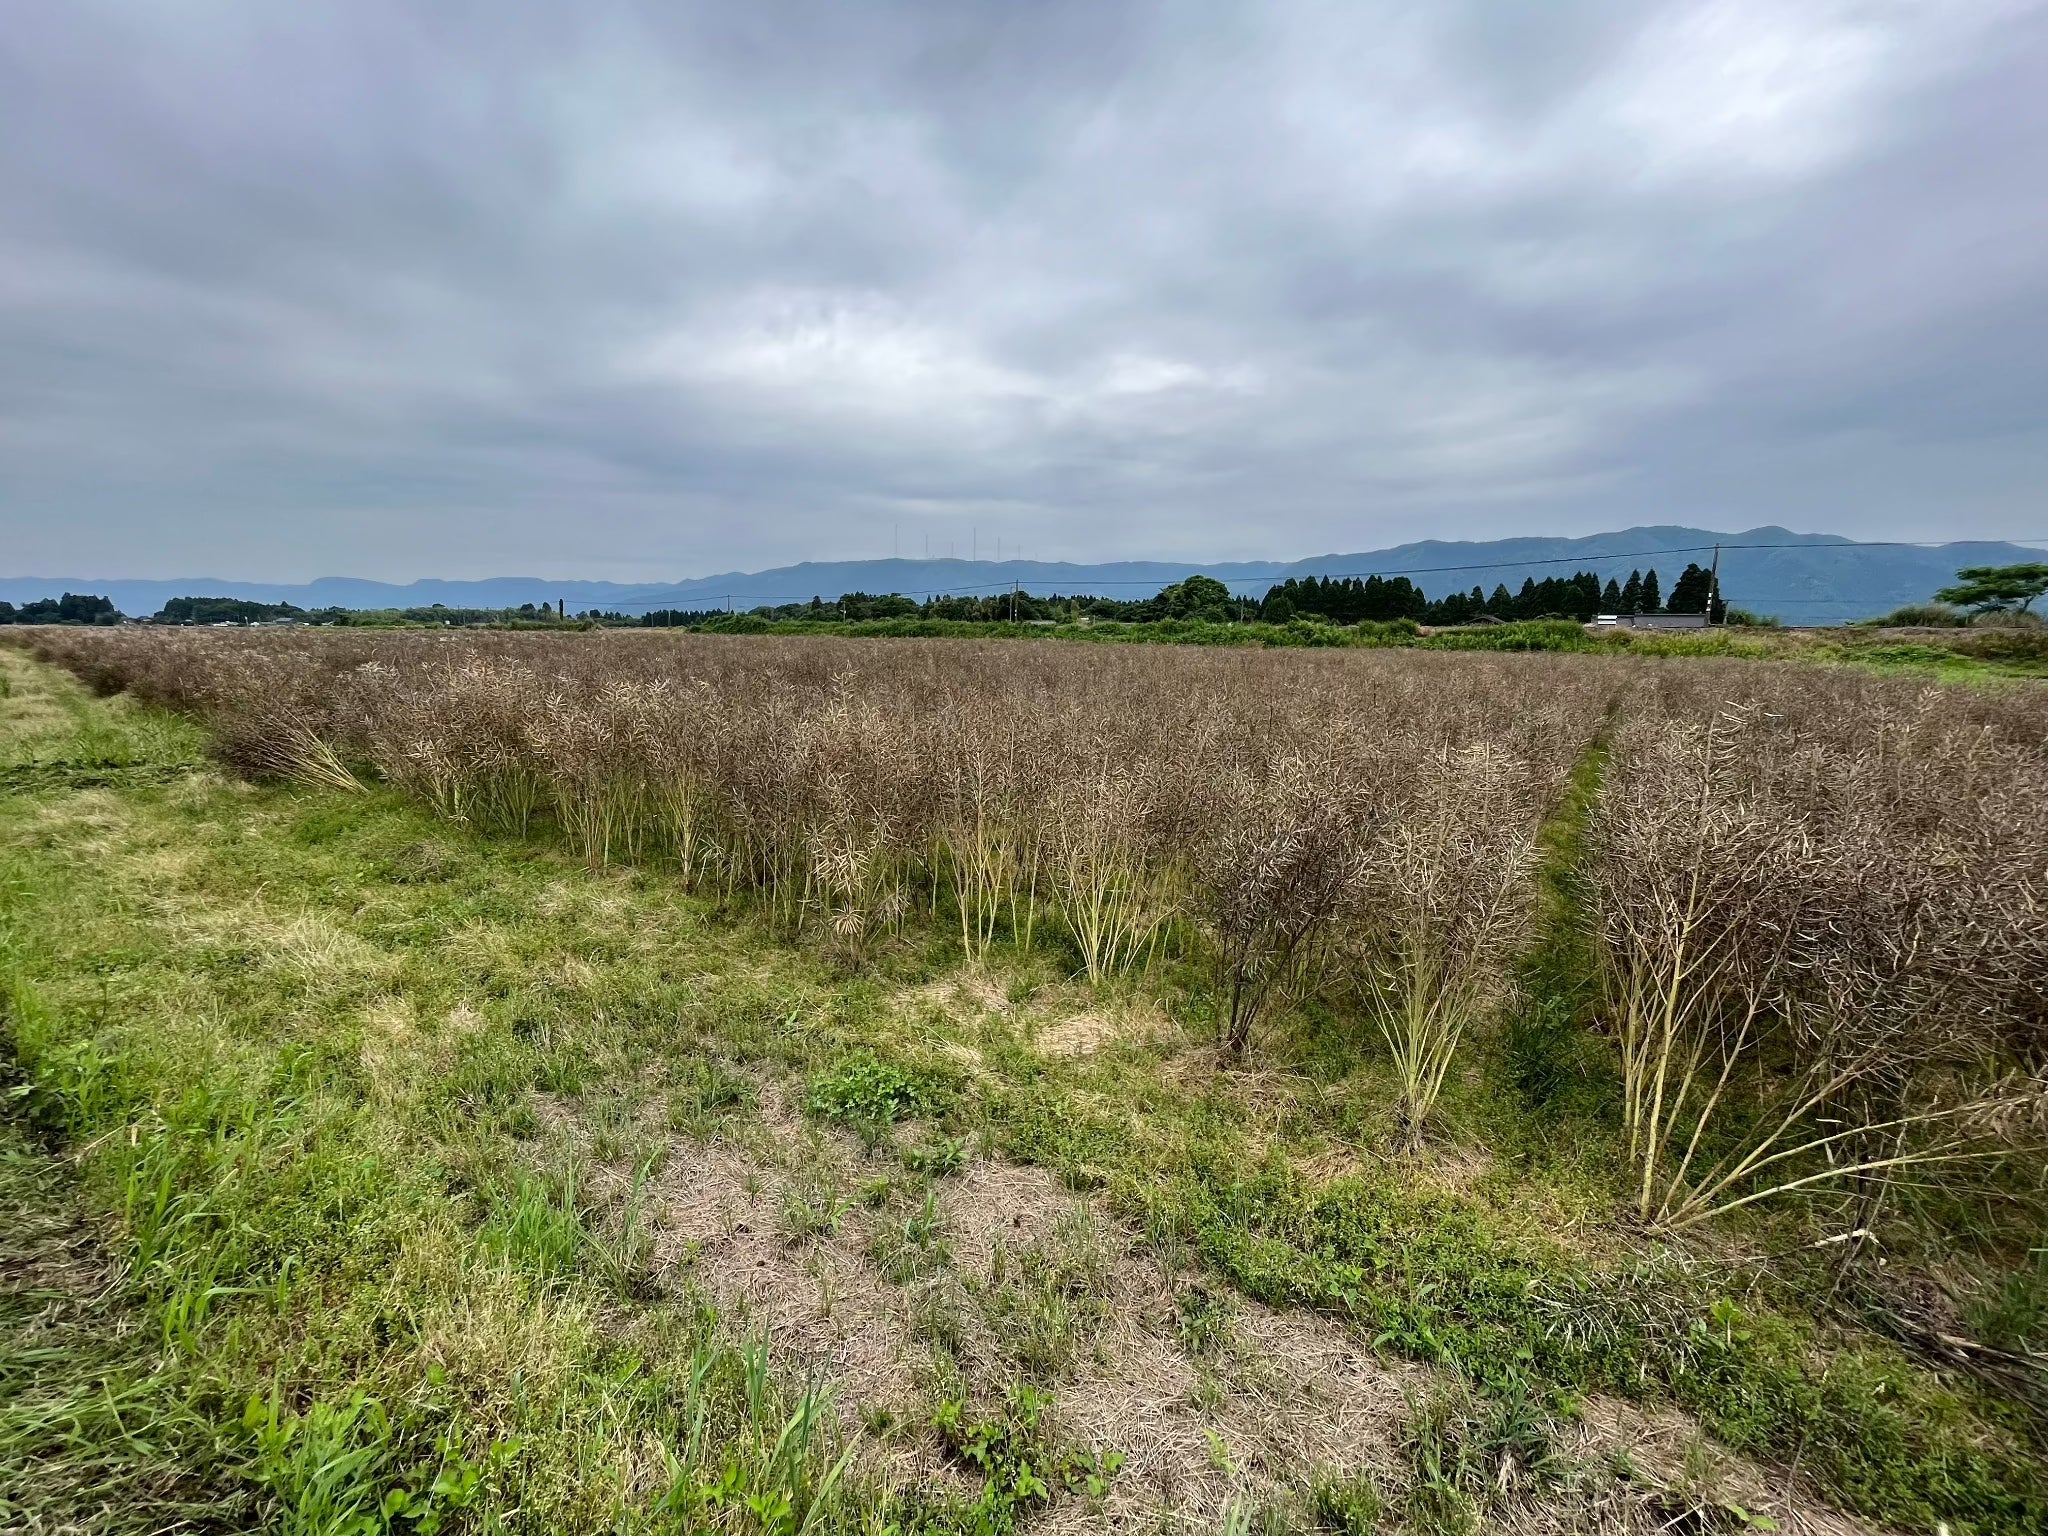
1819	909
1816	897
1364	823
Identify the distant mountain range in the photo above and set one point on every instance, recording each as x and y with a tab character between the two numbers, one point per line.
1803	578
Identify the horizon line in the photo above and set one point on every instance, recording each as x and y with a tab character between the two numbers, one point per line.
1197	567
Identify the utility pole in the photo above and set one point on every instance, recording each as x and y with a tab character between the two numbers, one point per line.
1714	588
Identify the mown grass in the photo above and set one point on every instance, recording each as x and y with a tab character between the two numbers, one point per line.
293	1043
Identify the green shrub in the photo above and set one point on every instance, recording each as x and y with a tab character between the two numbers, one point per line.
1533	635
2005	643
1926	616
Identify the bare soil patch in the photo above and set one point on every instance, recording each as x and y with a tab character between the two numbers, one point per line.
1263	1402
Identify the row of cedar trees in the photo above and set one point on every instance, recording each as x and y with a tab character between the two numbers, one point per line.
1810	899
1580	597
1338	600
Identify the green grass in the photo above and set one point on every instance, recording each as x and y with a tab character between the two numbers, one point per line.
304	1054
94	1431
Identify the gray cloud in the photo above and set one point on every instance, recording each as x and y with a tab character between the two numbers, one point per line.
614	290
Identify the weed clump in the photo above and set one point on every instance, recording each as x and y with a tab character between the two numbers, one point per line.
871	1094
708	1096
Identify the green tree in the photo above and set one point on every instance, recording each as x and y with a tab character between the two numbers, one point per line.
223	610
1197	597
1652	600
1632	593
71	608
1692	592
1993	588
1610	596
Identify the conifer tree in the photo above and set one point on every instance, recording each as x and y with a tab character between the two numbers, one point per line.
1693	592
1652	599
1610	598
1632	593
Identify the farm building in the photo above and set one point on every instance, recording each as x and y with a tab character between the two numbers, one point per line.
1649	621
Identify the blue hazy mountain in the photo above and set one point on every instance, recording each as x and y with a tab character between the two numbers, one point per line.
1803	578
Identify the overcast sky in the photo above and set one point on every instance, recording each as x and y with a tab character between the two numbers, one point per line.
462	289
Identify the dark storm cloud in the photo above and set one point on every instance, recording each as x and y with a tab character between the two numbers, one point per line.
616	290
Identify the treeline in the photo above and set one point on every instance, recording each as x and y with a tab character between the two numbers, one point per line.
71	608
1378	599
80	608
1200	599
1335	600
237	610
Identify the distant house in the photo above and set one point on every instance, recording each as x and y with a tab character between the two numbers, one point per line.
1649	621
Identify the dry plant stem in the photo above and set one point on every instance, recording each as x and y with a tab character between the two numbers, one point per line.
1445	897
294	752
1949	1155
1422	1032
1698	1205
316	764
1099	881
1803	941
